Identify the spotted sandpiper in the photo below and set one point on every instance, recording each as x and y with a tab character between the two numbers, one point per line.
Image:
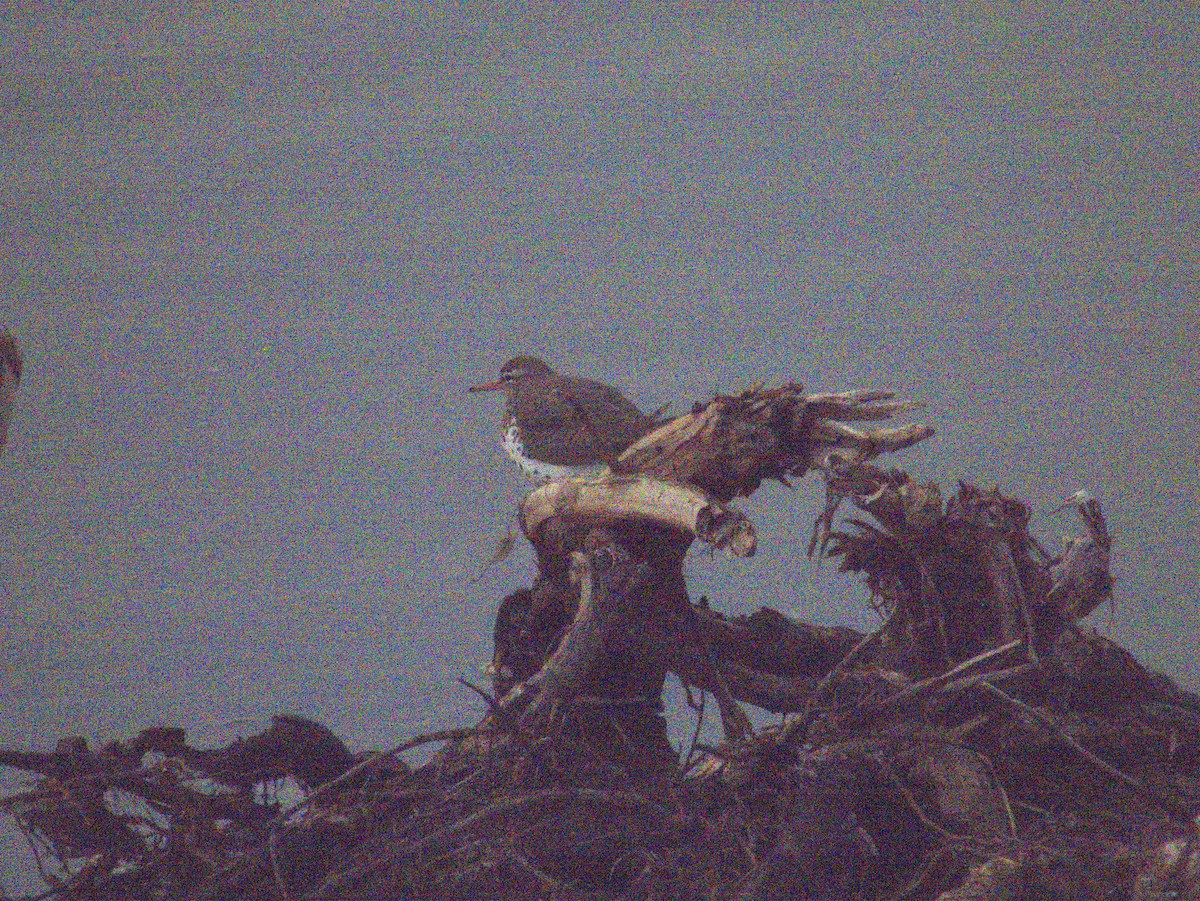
558	426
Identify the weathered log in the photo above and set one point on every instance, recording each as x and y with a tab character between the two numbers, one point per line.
779	694
769	642
731	444
615	498
765	659
615	651
606	578
683	474
671	487
666	490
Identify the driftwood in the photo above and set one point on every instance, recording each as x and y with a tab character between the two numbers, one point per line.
204	807
616	498
674	485
11	365
1080	578
978	744
728	446
682	475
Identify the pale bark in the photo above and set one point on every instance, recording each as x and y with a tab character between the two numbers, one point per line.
614	498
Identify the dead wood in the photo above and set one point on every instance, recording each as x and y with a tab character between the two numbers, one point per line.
682	475
979	744
615	498
602	602
766	659
728	446
668	488
1080	577
898	786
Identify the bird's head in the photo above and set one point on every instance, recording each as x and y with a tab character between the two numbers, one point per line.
514	372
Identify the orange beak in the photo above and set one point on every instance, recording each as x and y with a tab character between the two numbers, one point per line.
487	386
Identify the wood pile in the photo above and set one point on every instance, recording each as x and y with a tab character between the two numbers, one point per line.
979	744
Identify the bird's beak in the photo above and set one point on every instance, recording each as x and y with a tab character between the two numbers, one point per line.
487	386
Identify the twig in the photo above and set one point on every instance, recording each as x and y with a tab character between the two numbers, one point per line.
759	875
39	854
822	528
634	701
459	852
338	879
1006	583
734	721
913	804
1175	879
699	708
926	686
818	694
1170	805
554	795
538	873
736	724
935	859
823	524
504	716
993	676
276	871
931	596
1008	811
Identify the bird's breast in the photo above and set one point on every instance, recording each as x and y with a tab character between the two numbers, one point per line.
540	470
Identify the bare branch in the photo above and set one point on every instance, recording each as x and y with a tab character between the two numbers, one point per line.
614	498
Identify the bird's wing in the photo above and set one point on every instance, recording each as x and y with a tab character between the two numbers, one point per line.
583	414
628	423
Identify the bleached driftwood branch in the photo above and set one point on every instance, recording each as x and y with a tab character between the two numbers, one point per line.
683	474
671	486
613	498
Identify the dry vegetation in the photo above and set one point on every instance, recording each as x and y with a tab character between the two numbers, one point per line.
979	744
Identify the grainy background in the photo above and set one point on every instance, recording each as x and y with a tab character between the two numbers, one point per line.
255	258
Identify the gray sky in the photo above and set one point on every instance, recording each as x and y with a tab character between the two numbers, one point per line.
255	260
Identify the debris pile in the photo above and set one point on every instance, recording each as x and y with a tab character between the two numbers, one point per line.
980	744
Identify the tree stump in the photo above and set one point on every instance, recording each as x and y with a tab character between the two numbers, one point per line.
603	639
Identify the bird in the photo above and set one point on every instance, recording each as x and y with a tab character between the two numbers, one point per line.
10	377
560	426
